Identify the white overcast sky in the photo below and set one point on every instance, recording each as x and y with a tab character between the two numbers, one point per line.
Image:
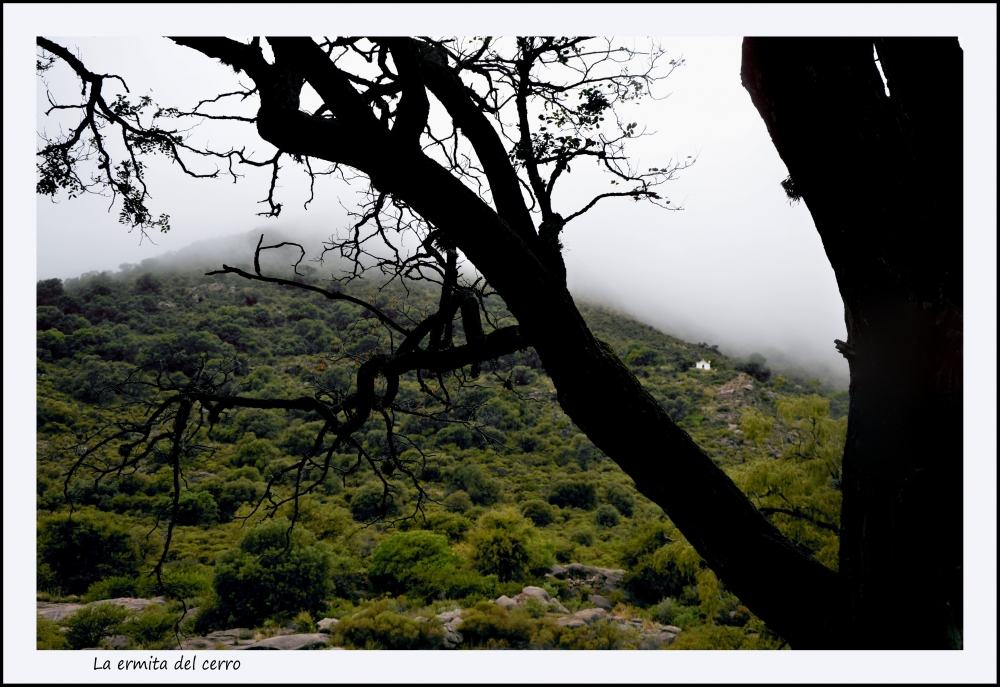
738	267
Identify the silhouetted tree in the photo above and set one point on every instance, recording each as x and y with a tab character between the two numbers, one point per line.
523	113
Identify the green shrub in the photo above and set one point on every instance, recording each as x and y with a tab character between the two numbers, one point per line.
599	636
663	612
118	586
500	545
458	502
620	496
754	636
574	493
606	516
151	629
583	536
452	526
416	562
380	627
197	508
487	624
459	435
670	570
73	554
483	489
538	512
49	635
258	578
470	586
367	503
94	622
186	580
234	493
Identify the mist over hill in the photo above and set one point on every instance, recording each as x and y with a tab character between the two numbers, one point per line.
787	352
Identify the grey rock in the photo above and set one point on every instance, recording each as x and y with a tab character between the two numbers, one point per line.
570	622
54	611
116	642
658	640
327	624
542	596
201	643
58	611
590	615
671	628
450	620
505	602
601	602
317	640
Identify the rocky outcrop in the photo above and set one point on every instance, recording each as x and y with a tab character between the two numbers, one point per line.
652	635
450	620
536	593
223	639
293	642
585	580
58	611
326	625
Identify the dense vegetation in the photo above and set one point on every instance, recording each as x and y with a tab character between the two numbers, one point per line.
514	486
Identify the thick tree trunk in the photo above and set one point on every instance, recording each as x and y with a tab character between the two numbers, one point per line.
881	176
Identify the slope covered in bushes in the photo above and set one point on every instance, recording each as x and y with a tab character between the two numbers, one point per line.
513	486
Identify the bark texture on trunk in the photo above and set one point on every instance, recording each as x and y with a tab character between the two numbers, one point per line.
882	176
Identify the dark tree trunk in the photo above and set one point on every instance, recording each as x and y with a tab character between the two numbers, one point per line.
882	177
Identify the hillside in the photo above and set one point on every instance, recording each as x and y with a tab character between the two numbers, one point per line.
514	493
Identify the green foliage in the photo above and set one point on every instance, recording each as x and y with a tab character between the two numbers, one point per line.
49	635
452	526
599	636
753	636
491	626
621	497
416	562
606	516
97	328
576	493
458	502
662	572
370	503
73	554
118	586
197	508
94	622
500	545
539	512
260	578
152	628
382	626
640	356
481	488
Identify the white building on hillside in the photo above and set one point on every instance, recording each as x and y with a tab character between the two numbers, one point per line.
703	365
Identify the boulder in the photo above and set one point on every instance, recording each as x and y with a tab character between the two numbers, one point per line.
327	624
590	615
506	602
658	640
317	640
570	622
601	602
450	620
